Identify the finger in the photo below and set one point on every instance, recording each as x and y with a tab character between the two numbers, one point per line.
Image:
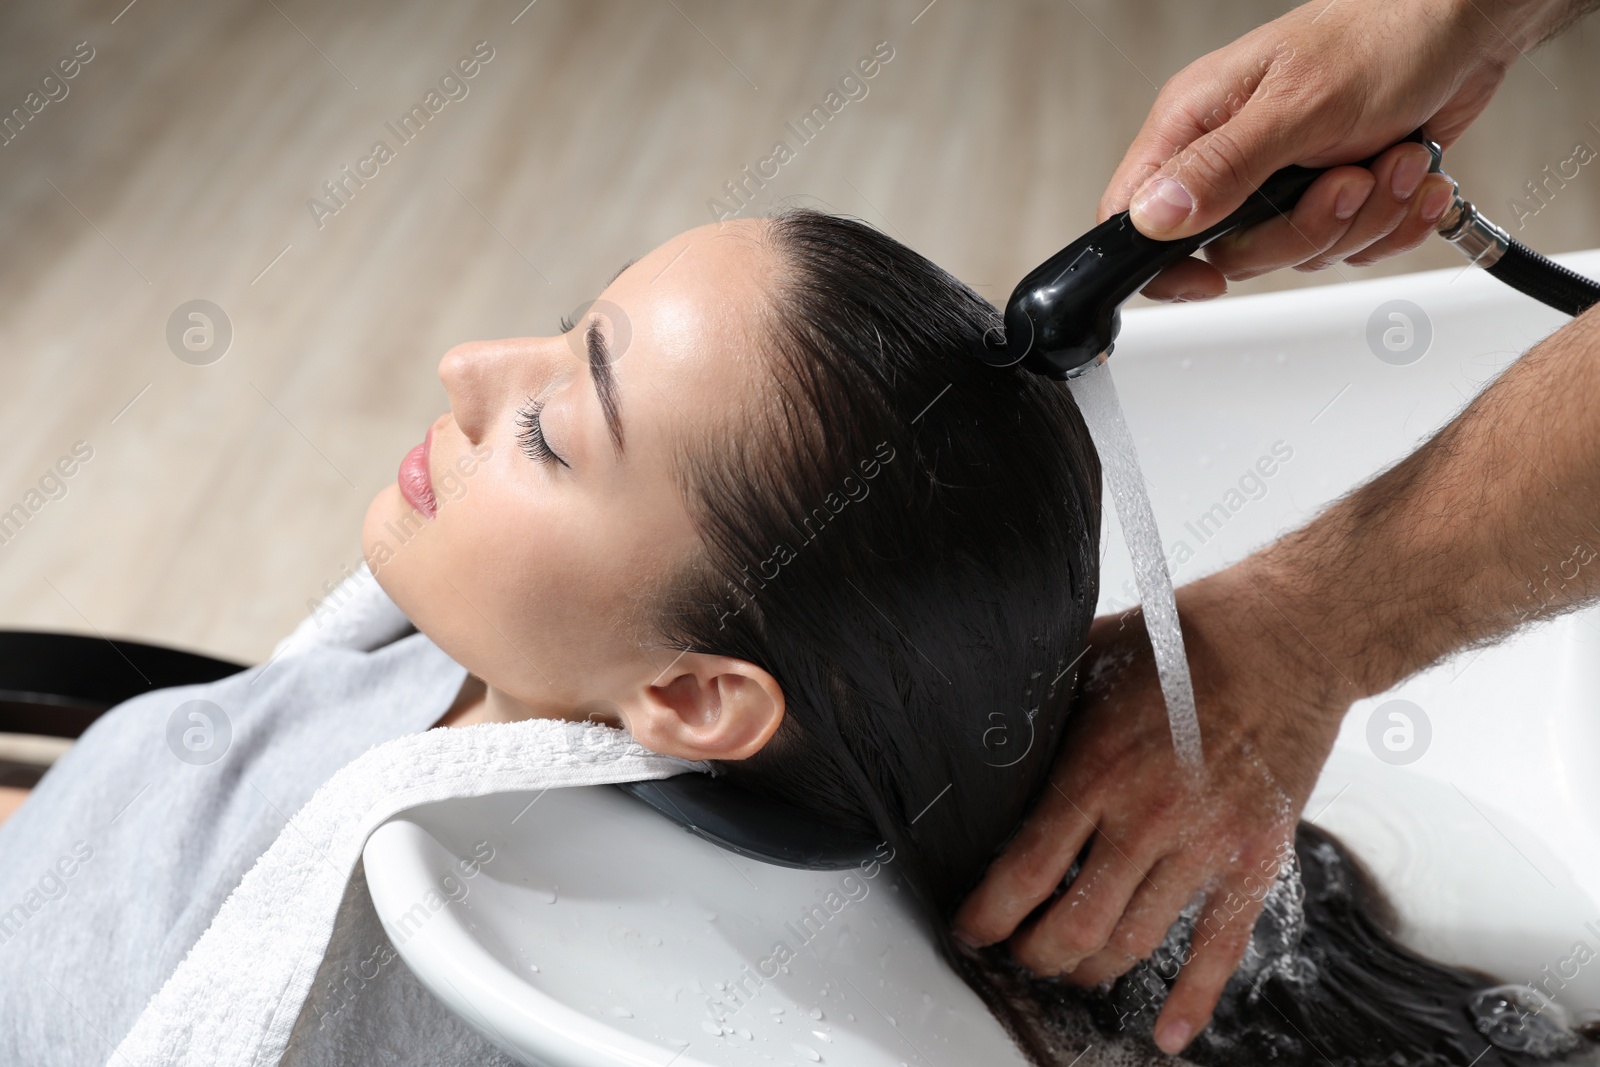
1310	228
1077	925
1188	279
1221	933
1197	100
1173	121
1423	213
1154	908
1210	177
1026	872
1399	174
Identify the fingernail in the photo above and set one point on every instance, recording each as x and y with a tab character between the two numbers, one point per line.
1189	297
1409	172
1436	202
1350	199
1163	205
1172	1037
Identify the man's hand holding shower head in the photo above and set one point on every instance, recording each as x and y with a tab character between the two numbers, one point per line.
1283	642
1327	83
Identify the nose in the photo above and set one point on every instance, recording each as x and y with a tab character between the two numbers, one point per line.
482	378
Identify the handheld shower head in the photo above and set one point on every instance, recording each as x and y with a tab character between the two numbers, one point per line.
1063	317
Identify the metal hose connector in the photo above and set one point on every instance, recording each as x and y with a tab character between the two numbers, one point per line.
1514	263
1480	240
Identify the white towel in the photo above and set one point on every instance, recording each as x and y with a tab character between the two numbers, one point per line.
234	999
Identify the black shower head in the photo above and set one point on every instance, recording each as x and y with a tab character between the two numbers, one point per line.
1062	319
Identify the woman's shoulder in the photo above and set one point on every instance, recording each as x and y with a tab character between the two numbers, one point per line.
145	825
295	719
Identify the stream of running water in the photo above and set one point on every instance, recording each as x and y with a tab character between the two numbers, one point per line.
1096	395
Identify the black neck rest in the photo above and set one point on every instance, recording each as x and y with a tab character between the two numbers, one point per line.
753	825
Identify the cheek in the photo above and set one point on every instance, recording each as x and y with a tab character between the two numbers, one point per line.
511	587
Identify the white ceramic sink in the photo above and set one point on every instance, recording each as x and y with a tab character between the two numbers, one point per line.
601	933
1489	839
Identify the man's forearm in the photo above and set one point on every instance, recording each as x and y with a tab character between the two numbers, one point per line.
1525	24
1566	13
1493	522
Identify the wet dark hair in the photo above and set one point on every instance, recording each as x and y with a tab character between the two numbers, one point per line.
912	550
914	557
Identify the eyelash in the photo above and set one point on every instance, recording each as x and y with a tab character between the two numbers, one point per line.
531	434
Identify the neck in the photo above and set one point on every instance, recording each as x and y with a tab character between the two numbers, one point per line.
478	702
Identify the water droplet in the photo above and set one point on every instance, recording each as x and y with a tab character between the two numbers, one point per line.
808	1052
816	1013
711	1028
621	1012
746	1034
850	1016
819	1035
1520	1018
534	967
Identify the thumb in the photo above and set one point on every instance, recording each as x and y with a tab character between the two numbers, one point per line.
1211	176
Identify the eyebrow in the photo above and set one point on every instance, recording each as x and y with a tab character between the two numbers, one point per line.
622	268
605	383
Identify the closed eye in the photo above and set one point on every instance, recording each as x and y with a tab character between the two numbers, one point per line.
530	434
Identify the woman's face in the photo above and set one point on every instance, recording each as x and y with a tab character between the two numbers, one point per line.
555	514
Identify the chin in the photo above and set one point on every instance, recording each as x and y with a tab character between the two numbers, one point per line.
404	563
382	507
378	540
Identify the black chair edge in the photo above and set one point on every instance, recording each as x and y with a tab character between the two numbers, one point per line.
57	684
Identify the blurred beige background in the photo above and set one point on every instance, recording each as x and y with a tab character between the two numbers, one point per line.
220	499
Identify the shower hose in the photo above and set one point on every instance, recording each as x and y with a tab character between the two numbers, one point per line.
1514	263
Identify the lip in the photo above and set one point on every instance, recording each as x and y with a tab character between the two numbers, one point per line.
415	484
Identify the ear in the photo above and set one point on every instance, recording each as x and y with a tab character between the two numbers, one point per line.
706	707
